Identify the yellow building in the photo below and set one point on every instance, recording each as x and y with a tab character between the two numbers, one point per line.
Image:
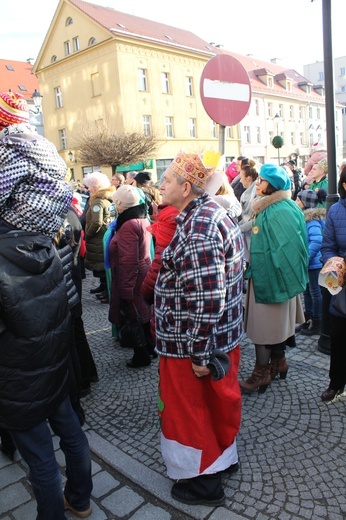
132	74
100	65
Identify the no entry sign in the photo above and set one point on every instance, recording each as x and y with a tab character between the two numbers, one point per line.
225	90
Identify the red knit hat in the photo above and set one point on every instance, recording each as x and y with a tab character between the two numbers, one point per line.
13	109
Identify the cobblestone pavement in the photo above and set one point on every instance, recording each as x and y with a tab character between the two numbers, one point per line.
291	445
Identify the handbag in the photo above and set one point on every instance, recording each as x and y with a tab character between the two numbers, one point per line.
131	333
339	302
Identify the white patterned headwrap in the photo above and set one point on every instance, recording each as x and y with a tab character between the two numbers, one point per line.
34	195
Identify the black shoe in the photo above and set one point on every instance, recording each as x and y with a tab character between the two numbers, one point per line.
233	468
311	328
8	451
181	492
98	289
330	394
138	364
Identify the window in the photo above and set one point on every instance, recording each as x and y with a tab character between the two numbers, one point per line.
270	81
291	111
271	137
169	127
53	58
311	139
22	88
189	85
161	166
270	109
281	110
301	112
247	134
293	140
289	86
301	138
146	125
92	41
343	88
58	97
9	67
69	21
192	125
310	112
165	82
256	107
318	115
76	45
342	71
258	134
229	132
213	129
320	76
142	79
95	84
67	45
63	139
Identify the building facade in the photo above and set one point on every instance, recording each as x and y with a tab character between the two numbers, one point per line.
315	72
101	66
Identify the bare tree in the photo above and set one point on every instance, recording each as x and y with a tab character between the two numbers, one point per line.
101	146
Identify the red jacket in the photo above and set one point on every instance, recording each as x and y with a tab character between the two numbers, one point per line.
163	230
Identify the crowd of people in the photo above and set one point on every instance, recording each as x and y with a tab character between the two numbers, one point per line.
189	266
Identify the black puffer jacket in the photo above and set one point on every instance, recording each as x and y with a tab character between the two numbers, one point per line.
34	330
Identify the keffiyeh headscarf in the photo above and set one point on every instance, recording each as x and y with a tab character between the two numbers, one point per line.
34	195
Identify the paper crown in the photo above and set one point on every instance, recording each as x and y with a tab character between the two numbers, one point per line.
191	167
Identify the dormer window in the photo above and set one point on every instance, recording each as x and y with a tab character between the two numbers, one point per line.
270	82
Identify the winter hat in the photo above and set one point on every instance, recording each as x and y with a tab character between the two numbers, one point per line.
318	147
276	176
127	196
311	198
13	109
143	178
190	167
323	163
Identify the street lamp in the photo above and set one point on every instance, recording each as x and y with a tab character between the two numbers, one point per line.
37	99
71	157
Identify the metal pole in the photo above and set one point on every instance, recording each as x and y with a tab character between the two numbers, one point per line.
222	139
332	197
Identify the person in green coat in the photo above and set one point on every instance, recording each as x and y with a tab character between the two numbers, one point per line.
277	274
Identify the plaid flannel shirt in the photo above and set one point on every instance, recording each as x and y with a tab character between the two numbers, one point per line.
198	292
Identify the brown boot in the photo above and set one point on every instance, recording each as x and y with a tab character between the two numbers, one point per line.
260	378
278	365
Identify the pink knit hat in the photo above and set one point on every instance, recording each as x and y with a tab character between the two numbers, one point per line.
13	109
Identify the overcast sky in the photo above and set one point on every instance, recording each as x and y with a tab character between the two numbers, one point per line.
291	30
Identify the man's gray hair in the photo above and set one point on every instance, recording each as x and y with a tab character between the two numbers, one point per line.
195	189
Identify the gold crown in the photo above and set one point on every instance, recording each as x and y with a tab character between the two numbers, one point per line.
191	167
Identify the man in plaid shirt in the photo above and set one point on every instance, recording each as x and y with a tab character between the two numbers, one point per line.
198	314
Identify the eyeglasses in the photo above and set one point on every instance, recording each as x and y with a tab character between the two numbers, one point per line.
259	180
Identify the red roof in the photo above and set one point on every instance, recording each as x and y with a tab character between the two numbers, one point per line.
17	76
134	26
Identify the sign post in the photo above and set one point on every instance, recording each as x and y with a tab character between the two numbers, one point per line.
225	91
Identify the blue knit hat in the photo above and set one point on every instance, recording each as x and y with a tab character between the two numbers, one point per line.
276	176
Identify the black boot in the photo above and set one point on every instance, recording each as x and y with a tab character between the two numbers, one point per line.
7	445
311	328
140	358
202	490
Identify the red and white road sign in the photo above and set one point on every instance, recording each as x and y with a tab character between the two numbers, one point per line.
225	90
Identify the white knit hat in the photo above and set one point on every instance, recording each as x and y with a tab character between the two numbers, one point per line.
126	197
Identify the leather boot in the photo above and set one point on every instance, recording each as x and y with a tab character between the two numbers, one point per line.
278	365
259	379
